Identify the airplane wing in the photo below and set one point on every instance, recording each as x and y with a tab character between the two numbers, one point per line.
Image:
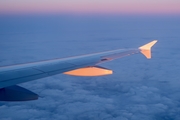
85	65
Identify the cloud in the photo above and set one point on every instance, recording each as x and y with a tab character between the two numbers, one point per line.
138	89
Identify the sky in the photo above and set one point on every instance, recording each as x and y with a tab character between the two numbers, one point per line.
138	89
154	7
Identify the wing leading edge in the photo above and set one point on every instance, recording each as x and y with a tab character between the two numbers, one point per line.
85	65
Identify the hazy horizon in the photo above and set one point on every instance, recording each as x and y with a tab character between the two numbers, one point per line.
117	7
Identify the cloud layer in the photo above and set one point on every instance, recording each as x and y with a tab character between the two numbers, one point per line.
138	89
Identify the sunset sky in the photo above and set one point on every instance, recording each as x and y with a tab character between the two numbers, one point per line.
167	7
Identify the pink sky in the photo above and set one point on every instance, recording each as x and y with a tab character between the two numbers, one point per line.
91	6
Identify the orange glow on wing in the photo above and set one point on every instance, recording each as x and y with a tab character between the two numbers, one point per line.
89	71
147	53
146	49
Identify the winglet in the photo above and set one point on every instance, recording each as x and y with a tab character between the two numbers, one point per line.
146	49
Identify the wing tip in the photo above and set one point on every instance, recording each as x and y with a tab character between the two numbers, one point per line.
148	45
146	49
